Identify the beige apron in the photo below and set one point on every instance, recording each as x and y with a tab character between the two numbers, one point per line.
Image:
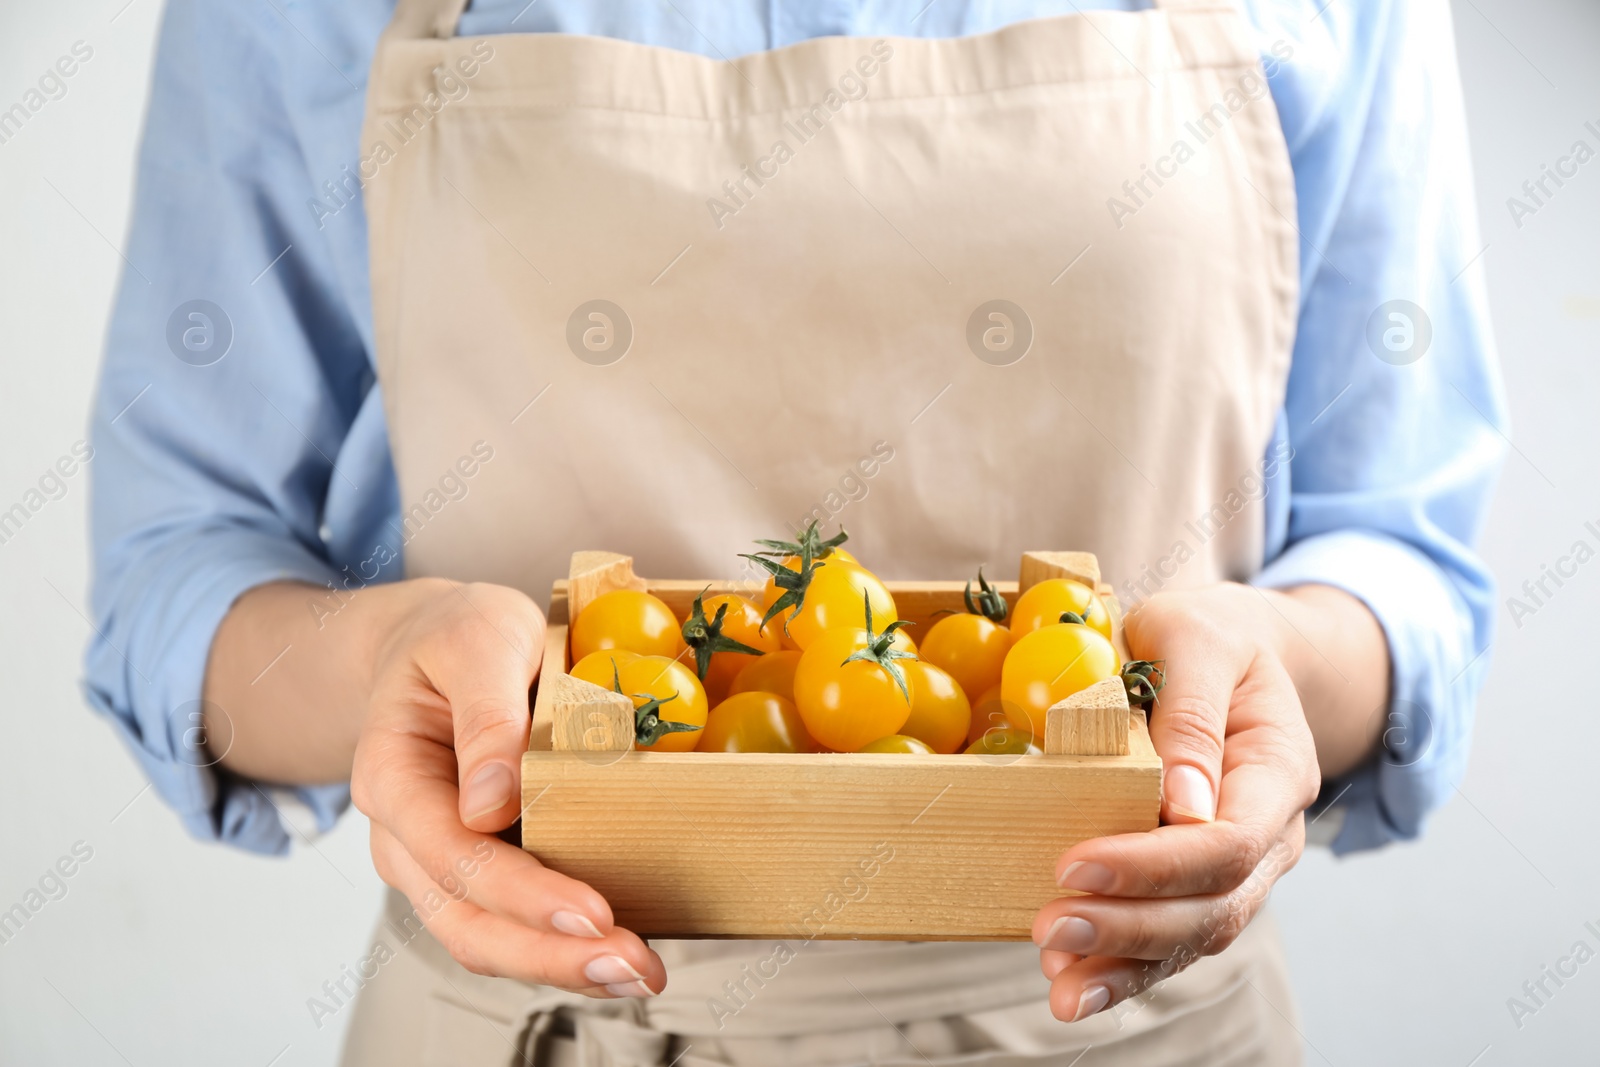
1034	288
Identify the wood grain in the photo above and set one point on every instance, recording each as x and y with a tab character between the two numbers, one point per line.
592	573
554	663
1042	566
699	844
1093	722
588	718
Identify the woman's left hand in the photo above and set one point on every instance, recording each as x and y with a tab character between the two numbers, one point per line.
1240	770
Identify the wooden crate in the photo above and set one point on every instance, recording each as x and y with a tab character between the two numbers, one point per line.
897	847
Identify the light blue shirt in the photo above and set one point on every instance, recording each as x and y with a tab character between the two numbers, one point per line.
209	480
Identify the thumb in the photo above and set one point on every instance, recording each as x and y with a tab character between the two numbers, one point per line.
484	667
1190	717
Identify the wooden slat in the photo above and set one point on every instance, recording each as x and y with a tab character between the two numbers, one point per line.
1119	639
554	663
760	845
917	602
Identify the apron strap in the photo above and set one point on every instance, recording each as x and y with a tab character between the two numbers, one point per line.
420	19
1230	6
439	18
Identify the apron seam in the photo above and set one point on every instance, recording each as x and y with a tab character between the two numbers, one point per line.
557	106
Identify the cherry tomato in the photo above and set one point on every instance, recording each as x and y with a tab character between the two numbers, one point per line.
940	713
990	712
772	673
848	704
770	591
741	622
755	722
970	648
1052	663
836	598
1043	604
626	618
837	555
1005	743
683	699
596	666
898	743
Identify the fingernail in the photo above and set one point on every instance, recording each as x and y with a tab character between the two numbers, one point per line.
489	791
605	970
1087	877
1094	998
629	989
1070	934
1189	793
570	922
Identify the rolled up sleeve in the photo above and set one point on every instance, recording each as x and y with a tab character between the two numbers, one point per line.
219	440
1396	438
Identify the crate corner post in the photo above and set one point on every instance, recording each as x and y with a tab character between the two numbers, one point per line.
1039	566
593	573
1094	722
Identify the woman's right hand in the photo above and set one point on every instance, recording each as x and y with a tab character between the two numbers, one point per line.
438	772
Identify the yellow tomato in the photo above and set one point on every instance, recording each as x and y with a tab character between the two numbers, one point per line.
772	673
741	622
848	703
1005	743
755	722
627	619
991	712
770	591
596	666
898	743
1043	604
940	713
836	598
970	648
1052	663
682	698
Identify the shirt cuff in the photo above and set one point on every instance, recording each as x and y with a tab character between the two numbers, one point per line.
145	671
1436	667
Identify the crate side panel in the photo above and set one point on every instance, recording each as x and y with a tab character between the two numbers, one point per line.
946	847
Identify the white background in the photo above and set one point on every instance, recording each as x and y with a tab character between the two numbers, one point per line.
167	951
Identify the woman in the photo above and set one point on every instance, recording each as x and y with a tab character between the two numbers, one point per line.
649	278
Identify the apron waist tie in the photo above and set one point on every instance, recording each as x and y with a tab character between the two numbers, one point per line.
786	988
765	989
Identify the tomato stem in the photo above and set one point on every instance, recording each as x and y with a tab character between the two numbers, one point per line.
1073	618
648	725
809	538
1144	680
880	649
705	636
794	584
990	604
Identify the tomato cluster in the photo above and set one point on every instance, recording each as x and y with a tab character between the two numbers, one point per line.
821	661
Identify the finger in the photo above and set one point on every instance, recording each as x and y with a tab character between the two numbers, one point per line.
1269	776
410	796
1195	859
1201	667
483	661
618	964
1096	983
1053	963
1156	929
